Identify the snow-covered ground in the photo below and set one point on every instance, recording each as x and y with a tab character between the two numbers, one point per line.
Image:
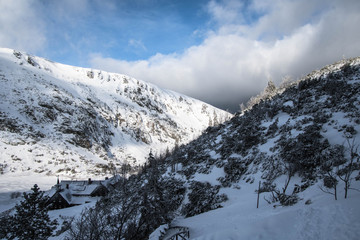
324	218
317	215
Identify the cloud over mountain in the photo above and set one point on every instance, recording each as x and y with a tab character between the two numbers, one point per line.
251	44
204	48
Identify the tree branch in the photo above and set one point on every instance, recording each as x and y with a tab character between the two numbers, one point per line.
325	191
355	189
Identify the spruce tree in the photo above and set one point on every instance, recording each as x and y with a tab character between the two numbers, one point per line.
31	220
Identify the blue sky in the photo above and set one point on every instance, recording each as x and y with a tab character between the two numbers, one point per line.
128	30
219	51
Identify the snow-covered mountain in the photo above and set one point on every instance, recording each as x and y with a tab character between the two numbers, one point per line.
301	143
297	145
62	120
297	126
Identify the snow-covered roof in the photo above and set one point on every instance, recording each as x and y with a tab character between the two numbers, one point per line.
84	188
77	192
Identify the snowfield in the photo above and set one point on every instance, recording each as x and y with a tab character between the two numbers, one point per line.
322	219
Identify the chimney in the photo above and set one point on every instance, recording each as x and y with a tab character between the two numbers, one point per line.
89	181
58	186
67	186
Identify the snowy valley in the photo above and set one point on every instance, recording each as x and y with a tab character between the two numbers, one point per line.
292	149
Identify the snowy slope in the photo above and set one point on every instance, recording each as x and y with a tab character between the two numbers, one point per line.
289	134
323	219
75	122
285	141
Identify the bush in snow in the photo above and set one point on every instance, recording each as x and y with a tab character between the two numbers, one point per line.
234	169
332	158
280	196
202	198
303	152
335	166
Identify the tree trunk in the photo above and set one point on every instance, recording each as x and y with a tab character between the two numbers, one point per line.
346	188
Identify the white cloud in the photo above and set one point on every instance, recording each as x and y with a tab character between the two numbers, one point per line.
290	38
247	45
20	25
228	12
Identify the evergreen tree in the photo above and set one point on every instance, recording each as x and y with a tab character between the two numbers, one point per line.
151	159
31	220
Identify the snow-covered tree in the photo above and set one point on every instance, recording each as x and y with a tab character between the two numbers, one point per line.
270	89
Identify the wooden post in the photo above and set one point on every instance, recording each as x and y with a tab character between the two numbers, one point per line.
258	196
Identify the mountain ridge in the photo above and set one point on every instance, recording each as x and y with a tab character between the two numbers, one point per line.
77	116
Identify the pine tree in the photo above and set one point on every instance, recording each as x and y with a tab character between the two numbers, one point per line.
151	159
31	220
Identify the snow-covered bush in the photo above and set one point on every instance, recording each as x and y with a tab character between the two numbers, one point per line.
234	170
202	198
